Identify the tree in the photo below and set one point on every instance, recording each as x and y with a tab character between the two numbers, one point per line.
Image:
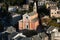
50	22
14	2
54	0
1	27
29	33
53	23
31	7
10	2
1	1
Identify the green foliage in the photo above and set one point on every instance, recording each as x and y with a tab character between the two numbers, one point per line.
0	23
1	27
4	7
29	33
31	7
14	2
54	0
53	23
46	20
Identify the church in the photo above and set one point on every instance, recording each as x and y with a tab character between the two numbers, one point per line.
30	20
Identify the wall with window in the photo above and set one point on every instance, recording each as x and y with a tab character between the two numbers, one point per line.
55	12
55	36
51	5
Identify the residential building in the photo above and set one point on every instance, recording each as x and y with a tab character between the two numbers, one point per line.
26	6
50	4
36	37
43	36
17	36
55	12
40	36
27	38
4	36
58	20
1	4
30	20
51	29
15	18
30	1
55	36
12	35
10	29
41	2
12	8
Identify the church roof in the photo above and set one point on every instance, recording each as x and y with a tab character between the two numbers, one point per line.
31	13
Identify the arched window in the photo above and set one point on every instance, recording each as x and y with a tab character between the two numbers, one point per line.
27	17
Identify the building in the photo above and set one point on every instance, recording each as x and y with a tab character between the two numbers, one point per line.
55	36
55	12
43	36
10	29
30	20
41	2
15	18
1	4
17	36
30	1
36	37
40	36
58	20
26	6
4	36
27	38
51	29
50	4
12	8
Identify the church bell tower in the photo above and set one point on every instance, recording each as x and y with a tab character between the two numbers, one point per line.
35	7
